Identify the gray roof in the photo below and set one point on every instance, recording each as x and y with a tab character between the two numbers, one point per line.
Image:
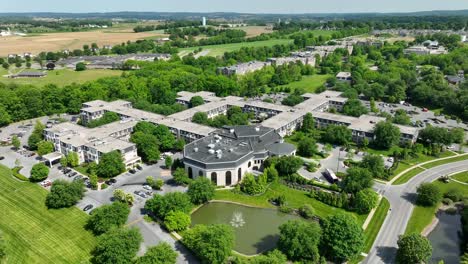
281	149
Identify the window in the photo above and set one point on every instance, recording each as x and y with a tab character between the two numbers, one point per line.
239	175
250	164
200	173
228	178
214	178
190	173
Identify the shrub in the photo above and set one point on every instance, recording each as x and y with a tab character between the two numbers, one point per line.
307	211
16	173
160	205
181	177
201	190
447	201
286	209
39	172
108	216
454	194
429	194
177	221
251	186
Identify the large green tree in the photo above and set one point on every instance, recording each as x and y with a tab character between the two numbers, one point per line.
36	136
307	147
201	190
429	194
110	165
64	194
365	200
342	237
336	134
288	165
413	248
386	135
118	246
354	107
212	244
147	146
174	201
357	179
39	172
107	217
159	254
299	240
196	101
375	164
177	221
44	147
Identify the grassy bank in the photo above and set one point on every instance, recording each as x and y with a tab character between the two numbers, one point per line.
442	162
408	175
422	215
374	226
294	198
35	234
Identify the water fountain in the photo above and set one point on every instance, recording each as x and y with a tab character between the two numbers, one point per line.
237	220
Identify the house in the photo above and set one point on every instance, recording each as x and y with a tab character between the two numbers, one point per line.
344	77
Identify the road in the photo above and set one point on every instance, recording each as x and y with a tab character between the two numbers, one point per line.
402	198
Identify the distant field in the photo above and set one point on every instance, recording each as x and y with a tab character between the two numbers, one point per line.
35	234
309	83
61	77
69	40
218	50
253	31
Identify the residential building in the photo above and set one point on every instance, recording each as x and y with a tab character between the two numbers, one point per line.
344	77
243	68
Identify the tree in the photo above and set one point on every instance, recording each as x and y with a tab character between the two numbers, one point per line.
401	117
63	161
119	195
307	147
72	158
336	134
39	172
36	136
342	237
177	221
110	165
212	244
307	211
374	164
160	205
15	142
168	162
251	186
118	246
200	118
64	194
180	176
147	146
271	173
201	190
5	65
160	254
93	181
273	257
196	101
429	194
365	201
299	240
435	135
80	66
357	179
354	107
107	217
165	137
413	248
44	147
288	165
308	123
5	117
386	135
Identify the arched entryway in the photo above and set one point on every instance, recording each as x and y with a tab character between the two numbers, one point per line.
200	173
228	178
239	175
214	178
190	172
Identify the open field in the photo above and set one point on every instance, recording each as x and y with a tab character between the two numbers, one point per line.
294	198
422	216
218	50
61	77
309	83
253	31
35	234
69	40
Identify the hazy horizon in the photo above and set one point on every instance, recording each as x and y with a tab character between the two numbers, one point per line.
239	6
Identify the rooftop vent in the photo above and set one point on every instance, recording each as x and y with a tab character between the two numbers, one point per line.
211	146
219	156
195	150
231	150
257	129
211	151
231	130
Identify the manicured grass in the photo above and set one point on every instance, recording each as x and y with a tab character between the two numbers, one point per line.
310	83
442	162
385	152
405	164
35	234
408	175
294	198
62	77
376	223
463	177
422	216
219	50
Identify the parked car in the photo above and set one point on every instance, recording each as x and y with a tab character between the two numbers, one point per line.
77	178
132	171
113	180
147	187
425	110
2	157
88	207
138	166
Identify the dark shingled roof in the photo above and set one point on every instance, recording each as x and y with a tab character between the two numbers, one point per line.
280	149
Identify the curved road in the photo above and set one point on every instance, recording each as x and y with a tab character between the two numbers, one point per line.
401	198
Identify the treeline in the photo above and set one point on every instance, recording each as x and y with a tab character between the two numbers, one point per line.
34	26
170	25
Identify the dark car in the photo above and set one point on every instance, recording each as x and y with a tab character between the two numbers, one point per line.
88	207
139	167
113	180
1	157
66	170
132	171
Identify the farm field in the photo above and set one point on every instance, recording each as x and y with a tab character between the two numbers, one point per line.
35	234
37	43
218	50
61	77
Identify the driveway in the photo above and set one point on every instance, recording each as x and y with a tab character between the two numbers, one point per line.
402	198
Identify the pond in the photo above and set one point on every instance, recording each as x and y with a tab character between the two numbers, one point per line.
256	229
445	239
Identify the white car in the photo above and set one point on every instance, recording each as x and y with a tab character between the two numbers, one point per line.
147	187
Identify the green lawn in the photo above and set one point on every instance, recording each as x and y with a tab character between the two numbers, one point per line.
219	50
61	77
442	162
422	216
463	177
309	83
374	226
408	175
35	234
294	198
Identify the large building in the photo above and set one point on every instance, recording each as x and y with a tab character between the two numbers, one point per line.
228	154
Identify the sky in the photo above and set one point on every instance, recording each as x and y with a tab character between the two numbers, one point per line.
242	6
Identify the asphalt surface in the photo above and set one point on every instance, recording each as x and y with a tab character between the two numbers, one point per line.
402	199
